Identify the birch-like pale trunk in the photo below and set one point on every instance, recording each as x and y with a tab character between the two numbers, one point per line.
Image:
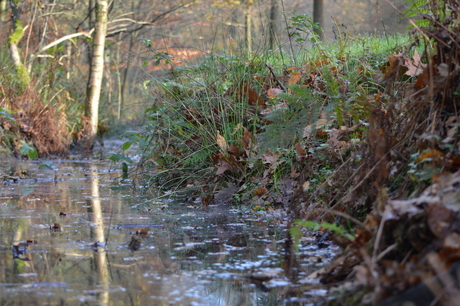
248	23
96	69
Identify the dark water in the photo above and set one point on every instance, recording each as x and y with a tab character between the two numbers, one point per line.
78	235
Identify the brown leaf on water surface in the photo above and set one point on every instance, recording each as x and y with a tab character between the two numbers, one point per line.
134	244
141	231
56	227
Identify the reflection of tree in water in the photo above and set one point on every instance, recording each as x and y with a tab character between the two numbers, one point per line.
97	233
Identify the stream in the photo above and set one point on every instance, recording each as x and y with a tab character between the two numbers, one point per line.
74	233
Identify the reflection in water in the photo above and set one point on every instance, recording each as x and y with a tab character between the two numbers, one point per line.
97	231
87	239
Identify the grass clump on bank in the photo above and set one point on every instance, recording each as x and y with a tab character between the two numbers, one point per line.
256	123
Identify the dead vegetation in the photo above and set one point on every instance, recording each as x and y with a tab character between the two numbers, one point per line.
408	177
28	120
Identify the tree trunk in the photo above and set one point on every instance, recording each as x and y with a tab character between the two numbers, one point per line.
318	12
3	10
248	23
18	31
96	70
273	22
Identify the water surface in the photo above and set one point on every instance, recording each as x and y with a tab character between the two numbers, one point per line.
79	235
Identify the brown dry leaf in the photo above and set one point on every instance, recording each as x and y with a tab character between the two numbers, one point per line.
309	128
134	244
56	227
260	191
270	158
247	138
253	97
294	173
306	186
223	166
222	143
301	154
429	154
294	78
439	219
142	231
363	276
395	62
233	150
452	242
273	92
414	66
225	163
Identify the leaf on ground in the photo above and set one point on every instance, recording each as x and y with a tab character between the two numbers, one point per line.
429	154
260	191
301	154
294	78
222	143
270	158
273	92
415	66
247	138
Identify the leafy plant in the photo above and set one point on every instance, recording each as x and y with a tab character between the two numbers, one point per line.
28	150
296	231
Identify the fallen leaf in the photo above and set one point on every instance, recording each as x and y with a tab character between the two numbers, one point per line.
273	92
222	143
260	191
414	66
294	78
429	154
306	186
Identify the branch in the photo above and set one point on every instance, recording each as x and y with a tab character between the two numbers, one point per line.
145	23
70	36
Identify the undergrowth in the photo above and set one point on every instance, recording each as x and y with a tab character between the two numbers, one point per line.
258	122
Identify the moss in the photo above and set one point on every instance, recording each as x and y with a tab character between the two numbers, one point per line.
23	77
17	34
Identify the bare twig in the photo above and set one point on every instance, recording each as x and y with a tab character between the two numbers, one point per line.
276	78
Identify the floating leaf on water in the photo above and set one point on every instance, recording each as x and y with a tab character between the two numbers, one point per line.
56	227
47	164
134	244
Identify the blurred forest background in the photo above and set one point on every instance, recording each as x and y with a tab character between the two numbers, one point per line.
187	30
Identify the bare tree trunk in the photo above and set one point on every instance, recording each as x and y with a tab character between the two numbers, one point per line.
318	13
273	22
248	23
3	10
96	70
